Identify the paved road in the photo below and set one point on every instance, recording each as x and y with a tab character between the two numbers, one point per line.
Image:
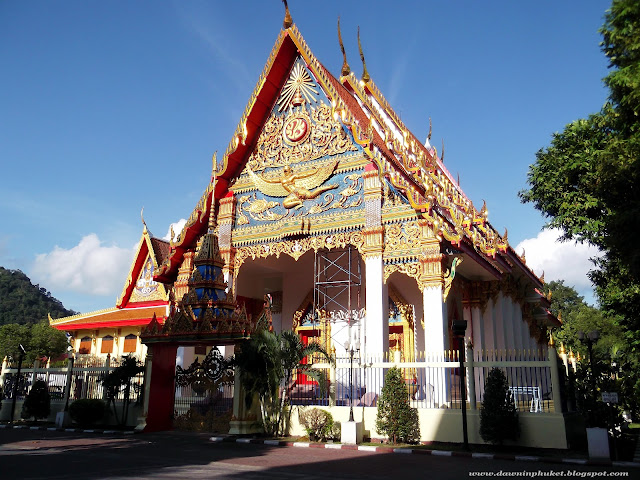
26	455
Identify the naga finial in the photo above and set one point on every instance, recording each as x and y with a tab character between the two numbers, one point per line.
483	211
345	66
442	153
505	237
365	74
429	134
542	277
143	222
214	167
288	21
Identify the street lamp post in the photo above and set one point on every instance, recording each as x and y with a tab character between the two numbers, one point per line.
16	381
349	347
459	327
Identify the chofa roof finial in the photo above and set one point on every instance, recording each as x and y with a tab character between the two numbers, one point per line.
288	21
143	222
345	66
429	134
365	74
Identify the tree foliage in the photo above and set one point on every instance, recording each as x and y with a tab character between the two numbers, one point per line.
24	303
395	418
39	340
269	361
498	417
120	380
587	182
37	403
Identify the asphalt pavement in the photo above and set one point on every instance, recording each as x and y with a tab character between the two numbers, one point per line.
36	454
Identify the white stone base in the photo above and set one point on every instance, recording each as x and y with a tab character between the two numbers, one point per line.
598	440
244	427
351	433
63	419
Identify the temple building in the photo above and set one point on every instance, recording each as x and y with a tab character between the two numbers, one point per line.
327	203
116	331
327	216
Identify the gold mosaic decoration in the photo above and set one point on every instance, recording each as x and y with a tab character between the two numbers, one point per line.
261	210
297	248
326	137
299	87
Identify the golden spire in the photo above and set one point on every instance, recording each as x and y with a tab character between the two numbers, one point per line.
365	74
288	21
345	66
212	220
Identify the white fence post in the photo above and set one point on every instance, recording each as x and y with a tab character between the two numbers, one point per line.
555	378
471	379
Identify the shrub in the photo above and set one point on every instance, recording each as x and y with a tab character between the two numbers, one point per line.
498	417
87	411
395	418
319	424
37	404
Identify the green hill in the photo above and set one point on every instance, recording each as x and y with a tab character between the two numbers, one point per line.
25	303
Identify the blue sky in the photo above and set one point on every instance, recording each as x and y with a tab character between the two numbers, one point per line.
108	107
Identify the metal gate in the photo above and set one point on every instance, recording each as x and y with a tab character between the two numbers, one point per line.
203	398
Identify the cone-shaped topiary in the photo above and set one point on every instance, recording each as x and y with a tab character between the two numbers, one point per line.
38	402
395	417
498	417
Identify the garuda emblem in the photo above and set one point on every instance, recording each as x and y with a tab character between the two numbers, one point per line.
296	186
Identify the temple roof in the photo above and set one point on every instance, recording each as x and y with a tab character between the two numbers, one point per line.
141	297
110	317
412	167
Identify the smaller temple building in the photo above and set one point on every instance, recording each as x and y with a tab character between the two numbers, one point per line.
116	331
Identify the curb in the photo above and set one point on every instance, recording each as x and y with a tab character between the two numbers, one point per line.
74	430
435	453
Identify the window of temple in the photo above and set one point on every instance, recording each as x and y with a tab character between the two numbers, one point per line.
130	343
85	345
107	344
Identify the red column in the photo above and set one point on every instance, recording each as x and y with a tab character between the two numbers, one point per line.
161	388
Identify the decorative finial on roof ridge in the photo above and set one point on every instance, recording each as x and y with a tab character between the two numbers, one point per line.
442	153
288	21
429	134
345	66
365	74
145	230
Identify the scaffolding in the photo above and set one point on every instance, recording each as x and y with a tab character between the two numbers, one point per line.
337	286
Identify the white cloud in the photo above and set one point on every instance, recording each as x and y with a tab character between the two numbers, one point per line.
568	261
89	268
177	228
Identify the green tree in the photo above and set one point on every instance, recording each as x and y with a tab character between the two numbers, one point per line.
498	417
37	404
269	361
39	340
120	380
586	181
395	418
25	303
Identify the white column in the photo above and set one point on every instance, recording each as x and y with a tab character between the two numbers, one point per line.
478	333
377	308
517	326
488	327
508	321
498	319
434	320
435	316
